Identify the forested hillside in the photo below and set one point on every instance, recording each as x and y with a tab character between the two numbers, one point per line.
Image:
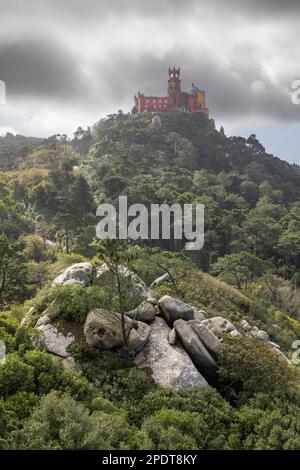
242	289
15	148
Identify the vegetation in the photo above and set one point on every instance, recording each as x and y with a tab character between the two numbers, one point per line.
249	269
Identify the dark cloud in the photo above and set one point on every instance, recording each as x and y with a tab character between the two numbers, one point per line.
40	69
98	10
64	51
229	94
269	7
48	70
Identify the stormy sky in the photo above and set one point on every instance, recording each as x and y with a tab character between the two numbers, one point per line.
69	63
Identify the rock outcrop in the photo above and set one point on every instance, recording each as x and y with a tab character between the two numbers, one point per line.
27	318
52	338
173	309
197	351
77	273
132	285
160	280
144	312
103	329
168	365
172	336
219	326
254	332
176	344
200	314
208	338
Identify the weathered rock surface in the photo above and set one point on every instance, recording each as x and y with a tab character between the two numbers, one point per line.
51	338
246	326
200	314
169	366
103	329
208	338
27	318
234	333
78	272
132	285
254	331
262	335
202	359
279	353
152	300
160	280
173	309
43	320
144	312
172	336
274	345
50	244
138	337
219	326
72	282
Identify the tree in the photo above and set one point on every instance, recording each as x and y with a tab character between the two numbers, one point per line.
112	252
67	228
81	197
34	247
13	271
239	268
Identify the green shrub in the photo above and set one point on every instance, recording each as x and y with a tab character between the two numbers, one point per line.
102	404
72	302
248	366
151	402
60	422
8	328
40	372
171	430
176	430
204	406
8	422
22	403
16	338
48	370
16	376
267	424
124	386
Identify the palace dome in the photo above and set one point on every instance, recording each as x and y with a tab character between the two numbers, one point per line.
193	90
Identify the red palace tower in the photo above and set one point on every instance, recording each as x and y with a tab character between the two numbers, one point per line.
192	100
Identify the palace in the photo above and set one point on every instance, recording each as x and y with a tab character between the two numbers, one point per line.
191	101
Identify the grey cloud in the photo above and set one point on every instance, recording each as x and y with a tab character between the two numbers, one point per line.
99	10
48	70
40	69
91	10
229	94
44	65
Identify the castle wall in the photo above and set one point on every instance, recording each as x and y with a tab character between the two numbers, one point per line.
176	97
